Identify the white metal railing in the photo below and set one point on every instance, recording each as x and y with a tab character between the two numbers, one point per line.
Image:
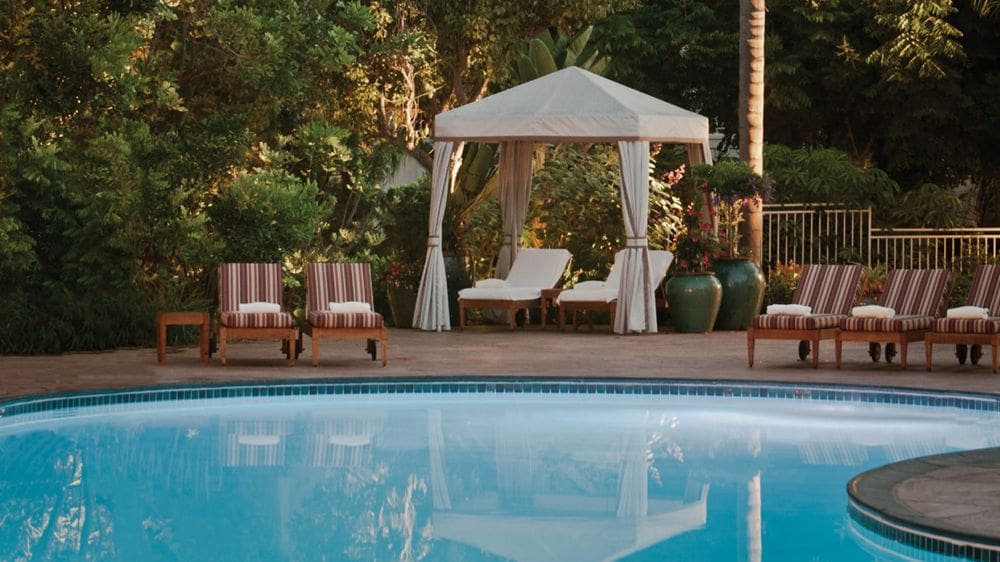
933	248
825	233
821	233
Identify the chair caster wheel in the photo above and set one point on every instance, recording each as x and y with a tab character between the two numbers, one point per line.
961	351
975	354
874	351
890	352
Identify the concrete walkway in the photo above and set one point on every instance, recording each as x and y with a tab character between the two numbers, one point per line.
493	351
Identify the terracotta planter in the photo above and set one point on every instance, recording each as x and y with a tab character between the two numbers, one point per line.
742	292
694	300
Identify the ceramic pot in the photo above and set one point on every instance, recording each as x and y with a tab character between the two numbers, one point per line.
693	299
742	292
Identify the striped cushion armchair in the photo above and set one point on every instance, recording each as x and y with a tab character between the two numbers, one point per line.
329	289
984	293
830	291
247	293
917	296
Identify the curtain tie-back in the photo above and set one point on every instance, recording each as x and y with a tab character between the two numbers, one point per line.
433	241
635	242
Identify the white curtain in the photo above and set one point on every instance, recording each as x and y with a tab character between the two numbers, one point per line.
431	312
515	191
636	310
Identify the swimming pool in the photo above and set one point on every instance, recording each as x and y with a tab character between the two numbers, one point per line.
463	470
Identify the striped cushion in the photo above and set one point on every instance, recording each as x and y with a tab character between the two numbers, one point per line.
337	282
327	319
790	322
895	324
249	282
829	289
256	319
916	292
985	289
967	326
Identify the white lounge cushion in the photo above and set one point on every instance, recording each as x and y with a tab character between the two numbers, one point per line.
789	309
349	307
500	294
257	307
540	268
492	283
969	312
872	311
593	295
590	286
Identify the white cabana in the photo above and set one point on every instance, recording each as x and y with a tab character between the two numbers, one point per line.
571	105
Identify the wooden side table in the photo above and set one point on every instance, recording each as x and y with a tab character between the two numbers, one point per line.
164	319
549	297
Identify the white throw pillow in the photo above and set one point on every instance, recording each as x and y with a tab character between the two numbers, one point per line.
259	307
349	307
789	309
872	311
969	312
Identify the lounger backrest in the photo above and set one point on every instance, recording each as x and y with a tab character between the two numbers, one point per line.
615	275
659	261
920	292
337	282
249	282
985	289
829	289
538	268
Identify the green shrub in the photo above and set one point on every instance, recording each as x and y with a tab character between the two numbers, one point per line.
782	279
267	215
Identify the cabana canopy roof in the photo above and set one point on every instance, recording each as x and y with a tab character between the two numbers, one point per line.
571	105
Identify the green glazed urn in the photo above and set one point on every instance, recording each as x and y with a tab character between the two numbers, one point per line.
693	300
742	292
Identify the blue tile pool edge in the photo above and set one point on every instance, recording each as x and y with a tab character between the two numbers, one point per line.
500	385
921	538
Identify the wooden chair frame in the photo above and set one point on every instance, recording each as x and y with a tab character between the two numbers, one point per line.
224	333
316	334
285	334
362	272
901	339
931	338
510	306
810	336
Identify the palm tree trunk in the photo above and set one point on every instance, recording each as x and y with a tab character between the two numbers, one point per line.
751	133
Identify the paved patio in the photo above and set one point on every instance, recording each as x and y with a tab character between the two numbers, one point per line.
494	351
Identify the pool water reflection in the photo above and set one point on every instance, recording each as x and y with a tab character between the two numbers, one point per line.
469	477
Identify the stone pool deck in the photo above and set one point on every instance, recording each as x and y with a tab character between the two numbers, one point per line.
536	352
493	351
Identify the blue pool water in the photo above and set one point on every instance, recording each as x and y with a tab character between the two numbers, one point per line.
592	474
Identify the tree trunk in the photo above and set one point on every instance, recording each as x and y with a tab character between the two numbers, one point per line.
752	110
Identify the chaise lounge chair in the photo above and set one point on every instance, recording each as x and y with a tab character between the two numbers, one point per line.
251	306
984	293
829	291
339	302
598	296
916	297
534	269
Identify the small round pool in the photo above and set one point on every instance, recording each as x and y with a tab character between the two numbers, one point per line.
464	470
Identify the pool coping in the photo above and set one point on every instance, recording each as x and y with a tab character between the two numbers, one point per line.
873	502
504	385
